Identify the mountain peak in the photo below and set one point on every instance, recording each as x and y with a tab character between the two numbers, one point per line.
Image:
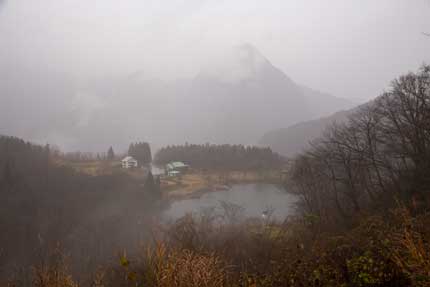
249	51
250	58
242	62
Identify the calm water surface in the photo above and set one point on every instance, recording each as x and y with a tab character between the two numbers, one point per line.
254	198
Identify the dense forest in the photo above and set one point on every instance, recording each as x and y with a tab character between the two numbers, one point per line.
141	151
79	156
43	205
226	156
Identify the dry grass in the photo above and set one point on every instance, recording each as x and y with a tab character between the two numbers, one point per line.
411	247
186	268
53	271
93	168
190	184
213	251
163	267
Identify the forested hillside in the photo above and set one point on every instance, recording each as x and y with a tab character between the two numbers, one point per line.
43	205
220	156
381	154
295	139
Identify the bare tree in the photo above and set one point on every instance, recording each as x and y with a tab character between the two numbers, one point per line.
382	152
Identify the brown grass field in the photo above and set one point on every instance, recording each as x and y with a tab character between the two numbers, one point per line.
195	182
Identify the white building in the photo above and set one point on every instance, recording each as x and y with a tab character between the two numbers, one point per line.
129	162
176	168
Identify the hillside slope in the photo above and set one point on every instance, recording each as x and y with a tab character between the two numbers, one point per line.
294	139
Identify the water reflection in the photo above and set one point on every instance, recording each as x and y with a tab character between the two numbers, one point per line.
256	200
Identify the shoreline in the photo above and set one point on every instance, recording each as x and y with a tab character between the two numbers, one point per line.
195	184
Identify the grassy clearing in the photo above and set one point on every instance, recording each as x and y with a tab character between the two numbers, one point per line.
103	167
93	168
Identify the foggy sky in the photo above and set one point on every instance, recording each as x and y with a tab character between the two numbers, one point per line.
348	48
345	47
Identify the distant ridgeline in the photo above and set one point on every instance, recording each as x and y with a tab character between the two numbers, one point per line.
220	156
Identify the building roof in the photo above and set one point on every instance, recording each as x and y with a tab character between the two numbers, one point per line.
175	165
128	158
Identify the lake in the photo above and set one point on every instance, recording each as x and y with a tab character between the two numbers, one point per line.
254	198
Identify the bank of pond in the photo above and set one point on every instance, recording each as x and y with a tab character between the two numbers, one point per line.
261	200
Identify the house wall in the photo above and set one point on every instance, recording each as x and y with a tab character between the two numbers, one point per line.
129	164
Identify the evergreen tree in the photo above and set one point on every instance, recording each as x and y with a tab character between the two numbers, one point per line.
141	151
7	176
152	185
220	156
157	187
149	184
110	154
148	153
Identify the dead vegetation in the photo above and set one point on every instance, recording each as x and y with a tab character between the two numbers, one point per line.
390	249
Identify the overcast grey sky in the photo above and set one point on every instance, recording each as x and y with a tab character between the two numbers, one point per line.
349	48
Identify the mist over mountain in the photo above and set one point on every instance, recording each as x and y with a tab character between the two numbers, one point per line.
321	104
235	99
294	139
249	94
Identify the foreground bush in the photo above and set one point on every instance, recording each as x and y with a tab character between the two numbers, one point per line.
390	249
